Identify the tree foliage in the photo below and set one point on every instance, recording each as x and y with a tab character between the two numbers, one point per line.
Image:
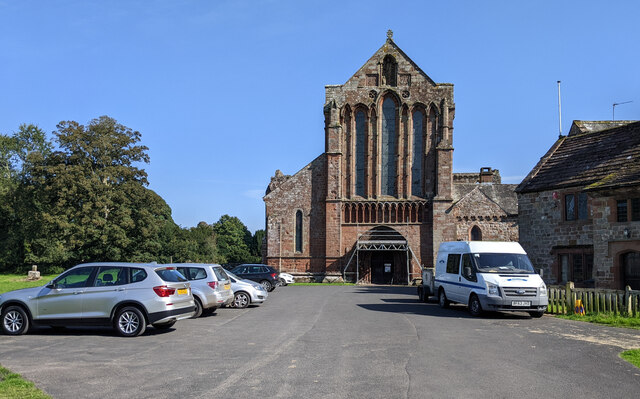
83	197
234	241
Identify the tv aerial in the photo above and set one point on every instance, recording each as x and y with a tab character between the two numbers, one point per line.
613	116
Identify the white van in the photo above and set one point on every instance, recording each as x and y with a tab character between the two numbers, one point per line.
488	275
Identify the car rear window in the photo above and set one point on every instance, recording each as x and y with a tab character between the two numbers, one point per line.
170	275
220	273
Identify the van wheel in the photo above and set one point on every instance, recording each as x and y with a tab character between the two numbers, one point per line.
475	308
14	320
442	299
536	314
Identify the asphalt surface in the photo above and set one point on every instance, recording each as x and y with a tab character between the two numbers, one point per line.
334	342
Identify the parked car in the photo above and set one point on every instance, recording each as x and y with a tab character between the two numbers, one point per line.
263	274
286	279
126	296
210	286
246	292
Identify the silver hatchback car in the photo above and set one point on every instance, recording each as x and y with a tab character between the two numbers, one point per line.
246	292
126	296
210	285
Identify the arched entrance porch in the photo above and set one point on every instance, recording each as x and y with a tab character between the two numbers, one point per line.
381	256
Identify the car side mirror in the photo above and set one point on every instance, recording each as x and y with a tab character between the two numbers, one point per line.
52	286
541	272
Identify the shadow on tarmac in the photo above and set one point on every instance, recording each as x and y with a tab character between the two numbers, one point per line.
407	302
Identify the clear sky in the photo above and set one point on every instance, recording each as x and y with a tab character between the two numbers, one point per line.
226	92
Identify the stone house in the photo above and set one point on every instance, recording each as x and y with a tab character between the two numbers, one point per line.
579	208
377	203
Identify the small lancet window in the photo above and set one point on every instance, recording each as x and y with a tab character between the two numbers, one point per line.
389	71
299	231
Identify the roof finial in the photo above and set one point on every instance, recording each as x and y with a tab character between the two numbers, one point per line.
389	34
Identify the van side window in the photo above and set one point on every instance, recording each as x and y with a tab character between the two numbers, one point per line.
468	271
453	263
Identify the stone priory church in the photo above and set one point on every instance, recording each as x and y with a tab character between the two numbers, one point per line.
376	204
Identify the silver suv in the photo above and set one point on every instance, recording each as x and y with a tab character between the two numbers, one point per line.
210	285
126	296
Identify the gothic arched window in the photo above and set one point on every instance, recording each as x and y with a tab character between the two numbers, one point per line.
389	144
389	71
418	153
299	231
360	152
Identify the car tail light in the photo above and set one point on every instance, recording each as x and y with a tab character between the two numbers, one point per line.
164	291
274	275
213	284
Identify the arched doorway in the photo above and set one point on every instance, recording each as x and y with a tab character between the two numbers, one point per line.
383	256
631	269
476	234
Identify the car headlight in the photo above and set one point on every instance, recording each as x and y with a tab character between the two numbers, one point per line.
492	289
543	289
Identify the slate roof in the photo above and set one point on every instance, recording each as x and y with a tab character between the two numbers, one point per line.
592	161
503	195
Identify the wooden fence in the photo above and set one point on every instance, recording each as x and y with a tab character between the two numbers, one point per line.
562	300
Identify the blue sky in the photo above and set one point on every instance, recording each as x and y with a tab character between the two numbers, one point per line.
226	92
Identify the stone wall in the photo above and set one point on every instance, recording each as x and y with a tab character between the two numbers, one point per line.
542	229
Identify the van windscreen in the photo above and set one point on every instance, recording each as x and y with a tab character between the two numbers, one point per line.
503	263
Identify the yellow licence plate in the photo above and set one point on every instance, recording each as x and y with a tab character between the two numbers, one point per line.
183	291
227	286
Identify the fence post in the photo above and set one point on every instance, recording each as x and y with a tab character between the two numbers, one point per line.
627	299
569	297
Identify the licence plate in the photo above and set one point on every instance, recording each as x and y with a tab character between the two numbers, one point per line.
227	286
520	303
183	291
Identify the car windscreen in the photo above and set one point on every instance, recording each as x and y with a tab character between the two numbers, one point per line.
170	275
502	263
233	277
220	273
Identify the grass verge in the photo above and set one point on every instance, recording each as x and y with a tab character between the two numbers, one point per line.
606	319
322	284
10	282
632	356
13	386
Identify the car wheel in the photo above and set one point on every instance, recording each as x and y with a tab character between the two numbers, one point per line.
283	282
164	326
130	322
536	314
198	308
14	320
266	285
442	299
475	308
420	295
241	300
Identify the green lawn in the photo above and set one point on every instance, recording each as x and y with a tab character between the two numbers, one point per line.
607	319
10	282
12	386
632	356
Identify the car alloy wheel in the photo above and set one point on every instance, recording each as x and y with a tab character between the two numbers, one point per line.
130	322
241	300
14	321
266	285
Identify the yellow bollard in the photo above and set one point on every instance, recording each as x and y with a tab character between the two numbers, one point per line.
579	308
